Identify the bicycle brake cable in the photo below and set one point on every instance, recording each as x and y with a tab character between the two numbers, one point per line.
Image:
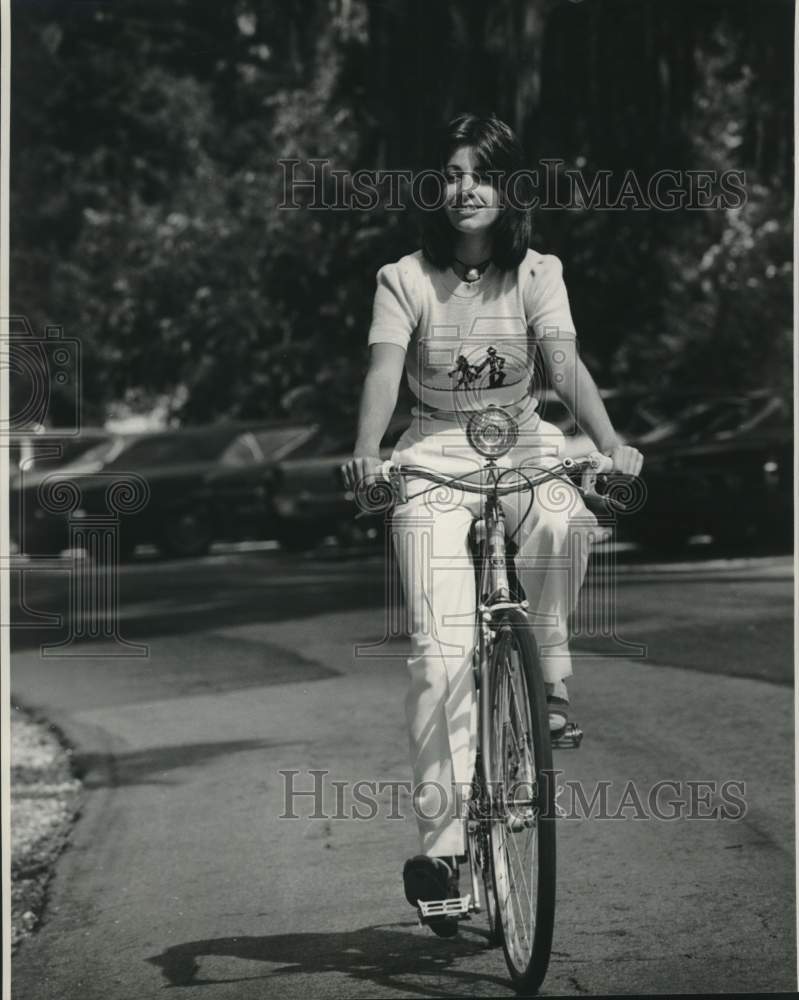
448	484
530	503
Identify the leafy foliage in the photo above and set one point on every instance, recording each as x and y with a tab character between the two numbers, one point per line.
146	180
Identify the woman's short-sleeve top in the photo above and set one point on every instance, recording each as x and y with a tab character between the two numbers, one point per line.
470	345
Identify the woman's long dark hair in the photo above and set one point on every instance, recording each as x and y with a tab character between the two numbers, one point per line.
496	150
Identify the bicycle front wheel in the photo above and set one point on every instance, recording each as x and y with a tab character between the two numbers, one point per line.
522	802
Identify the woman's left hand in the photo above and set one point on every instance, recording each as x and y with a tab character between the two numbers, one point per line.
627	461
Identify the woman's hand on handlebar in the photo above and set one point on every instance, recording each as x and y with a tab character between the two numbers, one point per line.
361	468
627	461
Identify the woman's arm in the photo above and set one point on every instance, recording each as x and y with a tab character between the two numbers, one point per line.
379	396
549	316
578	391
378	400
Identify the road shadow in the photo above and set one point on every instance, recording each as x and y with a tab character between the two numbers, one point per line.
383	955
185	597
154	766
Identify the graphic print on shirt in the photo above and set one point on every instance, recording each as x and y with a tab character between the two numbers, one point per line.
495	362
468	367
467	373
492	364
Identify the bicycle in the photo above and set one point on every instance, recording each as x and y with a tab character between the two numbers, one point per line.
512	795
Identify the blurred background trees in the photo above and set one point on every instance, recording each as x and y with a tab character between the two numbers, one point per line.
145	182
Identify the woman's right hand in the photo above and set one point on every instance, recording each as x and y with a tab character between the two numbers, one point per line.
361	469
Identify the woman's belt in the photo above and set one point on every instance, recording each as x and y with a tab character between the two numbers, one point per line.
521	412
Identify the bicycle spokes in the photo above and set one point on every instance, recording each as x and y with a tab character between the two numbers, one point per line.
518	803
516	825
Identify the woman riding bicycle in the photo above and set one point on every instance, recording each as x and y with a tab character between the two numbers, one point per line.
463	317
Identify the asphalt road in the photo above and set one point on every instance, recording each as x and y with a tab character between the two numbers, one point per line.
182	873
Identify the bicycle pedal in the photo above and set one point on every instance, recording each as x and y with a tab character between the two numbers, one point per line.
457	907
568	738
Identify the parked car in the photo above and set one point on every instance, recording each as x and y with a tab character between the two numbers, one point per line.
310	501
721	467
632	414
238	492
177	465
33	528
51	448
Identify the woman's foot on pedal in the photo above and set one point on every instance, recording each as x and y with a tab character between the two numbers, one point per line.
557	706
428	879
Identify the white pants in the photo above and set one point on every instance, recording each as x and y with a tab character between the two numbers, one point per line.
430	541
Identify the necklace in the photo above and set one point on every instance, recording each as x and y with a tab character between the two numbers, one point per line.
473	272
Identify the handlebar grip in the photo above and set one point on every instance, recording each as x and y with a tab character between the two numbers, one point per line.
600	464
601	503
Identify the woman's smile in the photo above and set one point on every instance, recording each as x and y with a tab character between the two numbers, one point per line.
472	202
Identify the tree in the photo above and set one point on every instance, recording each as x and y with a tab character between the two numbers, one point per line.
146	180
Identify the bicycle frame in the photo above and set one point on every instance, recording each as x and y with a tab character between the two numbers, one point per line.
493	595
501	625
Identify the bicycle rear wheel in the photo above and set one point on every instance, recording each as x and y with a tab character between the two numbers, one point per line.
523	803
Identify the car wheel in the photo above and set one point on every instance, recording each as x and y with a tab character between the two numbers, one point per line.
188	533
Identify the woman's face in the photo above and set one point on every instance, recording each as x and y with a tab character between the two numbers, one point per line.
472	202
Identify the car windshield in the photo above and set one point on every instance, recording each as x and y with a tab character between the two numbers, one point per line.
633	413
716	418
324	442
267	444
277	442
103	451
773	413
177	447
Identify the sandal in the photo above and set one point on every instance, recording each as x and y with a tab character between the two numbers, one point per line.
557	705
558	713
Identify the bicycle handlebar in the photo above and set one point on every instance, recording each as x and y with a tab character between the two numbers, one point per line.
591	465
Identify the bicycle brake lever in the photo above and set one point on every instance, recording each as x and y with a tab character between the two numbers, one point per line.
393	476
390	474
600	465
